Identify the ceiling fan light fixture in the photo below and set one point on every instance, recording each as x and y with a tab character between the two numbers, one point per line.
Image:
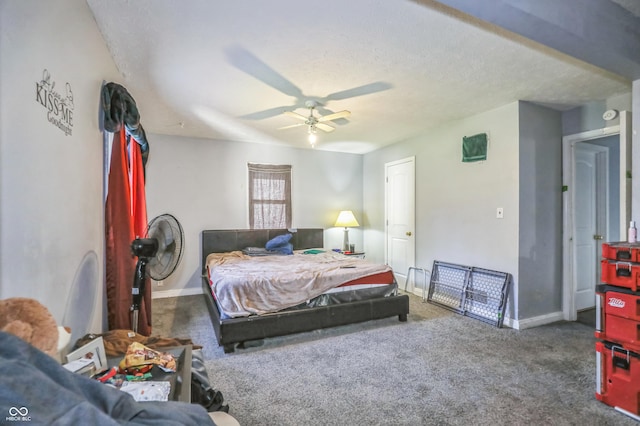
313	137
314	123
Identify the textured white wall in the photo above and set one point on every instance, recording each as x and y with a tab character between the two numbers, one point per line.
51	208
203	183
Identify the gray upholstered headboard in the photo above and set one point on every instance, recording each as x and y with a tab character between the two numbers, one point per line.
220	241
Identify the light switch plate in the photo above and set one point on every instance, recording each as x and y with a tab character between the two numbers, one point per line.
499	213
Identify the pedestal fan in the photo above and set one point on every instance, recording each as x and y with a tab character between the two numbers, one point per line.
160	250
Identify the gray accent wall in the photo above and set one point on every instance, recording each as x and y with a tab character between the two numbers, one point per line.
540	221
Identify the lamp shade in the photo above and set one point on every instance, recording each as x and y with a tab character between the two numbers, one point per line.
346	219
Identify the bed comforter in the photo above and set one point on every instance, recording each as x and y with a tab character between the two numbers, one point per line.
245	285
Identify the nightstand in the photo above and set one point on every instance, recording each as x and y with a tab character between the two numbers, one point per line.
356	254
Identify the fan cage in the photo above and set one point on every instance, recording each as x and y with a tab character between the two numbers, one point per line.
169	233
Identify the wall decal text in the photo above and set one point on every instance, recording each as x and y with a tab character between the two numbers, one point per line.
59	106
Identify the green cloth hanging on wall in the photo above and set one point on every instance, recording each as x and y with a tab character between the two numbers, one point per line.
474	148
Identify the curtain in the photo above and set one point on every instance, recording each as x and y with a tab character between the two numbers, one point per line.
125	218
269	196
139	221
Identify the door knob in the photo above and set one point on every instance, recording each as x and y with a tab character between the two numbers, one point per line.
598	237
408	233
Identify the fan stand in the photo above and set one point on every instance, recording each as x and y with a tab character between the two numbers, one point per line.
145	249
137	291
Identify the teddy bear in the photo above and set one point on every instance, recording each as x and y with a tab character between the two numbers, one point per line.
31	321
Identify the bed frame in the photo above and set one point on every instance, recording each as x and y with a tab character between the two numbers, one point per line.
232	331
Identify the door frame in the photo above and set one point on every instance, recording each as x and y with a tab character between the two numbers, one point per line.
412	160
568	179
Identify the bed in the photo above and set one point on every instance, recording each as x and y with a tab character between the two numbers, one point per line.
355	300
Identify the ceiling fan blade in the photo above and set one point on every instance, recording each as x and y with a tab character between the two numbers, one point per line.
247	62
267	113
292	126
325	127
367	89
295	115
334	116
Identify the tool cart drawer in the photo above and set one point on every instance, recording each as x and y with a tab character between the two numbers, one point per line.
618	377
621	274
622	251
621	331
618	301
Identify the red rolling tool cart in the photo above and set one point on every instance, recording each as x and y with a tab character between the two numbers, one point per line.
618	328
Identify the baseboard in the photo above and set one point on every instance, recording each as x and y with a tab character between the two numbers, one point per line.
175	293
534	321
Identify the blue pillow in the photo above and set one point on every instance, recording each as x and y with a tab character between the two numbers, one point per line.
284	249
279	241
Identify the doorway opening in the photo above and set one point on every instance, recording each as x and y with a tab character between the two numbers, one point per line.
597	204
596	215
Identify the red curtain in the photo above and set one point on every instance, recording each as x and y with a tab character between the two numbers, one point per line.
125	219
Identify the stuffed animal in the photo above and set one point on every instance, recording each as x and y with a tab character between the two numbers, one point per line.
31	321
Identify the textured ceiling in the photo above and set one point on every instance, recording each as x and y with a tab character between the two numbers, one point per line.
227	70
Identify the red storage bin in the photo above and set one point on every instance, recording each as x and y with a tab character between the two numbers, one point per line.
622	274
618	316
621	303
622	251
618	377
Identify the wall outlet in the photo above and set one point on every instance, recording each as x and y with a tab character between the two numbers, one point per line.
160	283
500	213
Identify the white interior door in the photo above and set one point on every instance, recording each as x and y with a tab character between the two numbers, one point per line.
570	181
586	227
400	217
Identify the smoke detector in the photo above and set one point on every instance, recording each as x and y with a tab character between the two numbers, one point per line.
610	114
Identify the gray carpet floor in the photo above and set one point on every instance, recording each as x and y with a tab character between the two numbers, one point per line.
438	368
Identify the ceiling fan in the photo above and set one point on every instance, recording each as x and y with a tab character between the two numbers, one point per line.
314	122
250	64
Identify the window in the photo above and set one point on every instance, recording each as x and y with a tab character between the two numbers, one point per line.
269	196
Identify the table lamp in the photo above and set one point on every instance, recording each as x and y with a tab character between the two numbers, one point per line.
346	219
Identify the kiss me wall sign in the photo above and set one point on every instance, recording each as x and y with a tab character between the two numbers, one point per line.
59	105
